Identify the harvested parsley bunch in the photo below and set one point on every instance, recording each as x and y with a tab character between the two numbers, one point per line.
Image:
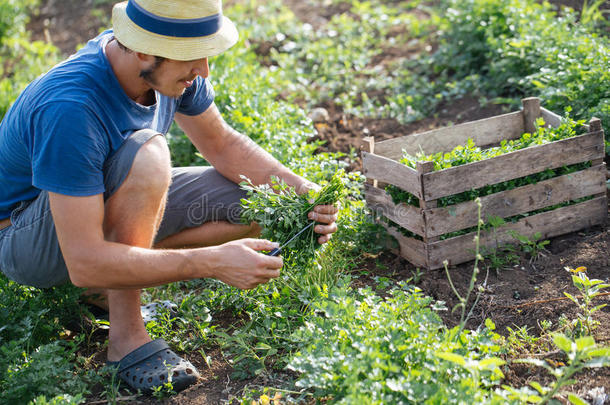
281	212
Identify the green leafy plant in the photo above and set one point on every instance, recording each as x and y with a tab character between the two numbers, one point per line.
33	359
469	152
520	341
282	213
63	399
22	58
505	50
166	389
581	353
589	289
498	257
532	246
364	349
592	13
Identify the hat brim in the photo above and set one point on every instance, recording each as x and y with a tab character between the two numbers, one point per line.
140	40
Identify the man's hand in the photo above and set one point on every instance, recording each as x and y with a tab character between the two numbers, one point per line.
241	265
325	214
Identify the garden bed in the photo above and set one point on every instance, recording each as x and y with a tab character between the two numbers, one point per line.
521	295
431	223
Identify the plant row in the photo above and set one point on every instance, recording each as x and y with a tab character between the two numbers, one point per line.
506	50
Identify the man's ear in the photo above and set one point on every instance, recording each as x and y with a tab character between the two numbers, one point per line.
145	59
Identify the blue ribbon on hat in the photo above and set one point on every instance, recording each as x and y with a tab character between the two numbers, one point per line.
173	27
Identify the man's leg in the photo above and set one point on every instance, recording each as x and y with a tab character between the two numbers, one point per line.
203	209
135	211
209	234
132	217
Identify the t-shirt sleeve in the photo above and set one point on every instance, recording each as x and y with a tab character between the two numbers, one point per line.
197	98
68	150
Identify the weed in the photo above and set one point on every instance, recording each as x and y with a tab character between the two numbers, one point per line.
111	385
581	353
589	289
532	246
498	257
591	13
416	276
545	325
521	341
463	300
167	389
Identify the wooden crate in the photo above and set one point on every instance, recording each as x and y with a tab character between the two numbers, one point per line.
380	164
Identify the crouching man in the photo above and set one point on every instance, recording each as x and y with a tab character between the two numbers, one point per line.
87	191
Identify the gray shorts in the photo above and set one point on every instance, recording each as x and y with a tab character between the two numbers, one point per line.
29	250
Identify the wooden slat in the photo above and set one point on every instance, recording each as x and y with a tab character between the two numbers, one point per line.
552	223
411	249
520	200
550	117
554	120
407	216
390	171
484	132
513	165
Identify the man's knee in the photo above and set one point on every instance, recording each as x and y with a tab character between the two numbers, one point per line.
151	168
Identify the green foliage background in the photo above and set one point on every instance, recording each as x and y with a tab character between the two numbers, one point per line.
21	59
506	50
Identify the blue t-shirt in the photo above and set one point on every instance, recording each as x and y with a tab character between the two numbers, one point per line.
65	124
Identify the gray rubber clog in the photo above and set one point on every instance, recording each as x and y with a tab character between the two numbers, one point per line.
152	365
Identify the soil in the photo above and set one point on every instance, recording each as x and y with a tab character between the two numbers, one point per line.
521	295
69	23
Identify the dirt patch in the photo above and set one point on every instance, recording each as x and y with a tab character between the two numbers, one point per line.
316	15
69	23
522	294
526	294
344	132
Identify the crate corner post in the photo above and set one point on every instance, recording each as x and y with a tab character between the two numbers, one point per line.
368	145
425	205
531	112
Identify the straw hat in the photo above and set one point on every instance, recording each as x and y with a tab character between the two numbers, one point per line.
174	29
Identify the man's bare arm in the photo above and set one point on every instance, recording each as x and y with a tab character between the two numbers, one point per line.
232	153
93	261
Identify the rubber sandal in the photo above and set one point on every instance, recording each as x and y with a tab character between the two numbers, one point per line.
152	365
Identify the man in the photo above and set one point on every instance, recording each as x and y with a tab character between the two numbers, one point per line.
86	187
